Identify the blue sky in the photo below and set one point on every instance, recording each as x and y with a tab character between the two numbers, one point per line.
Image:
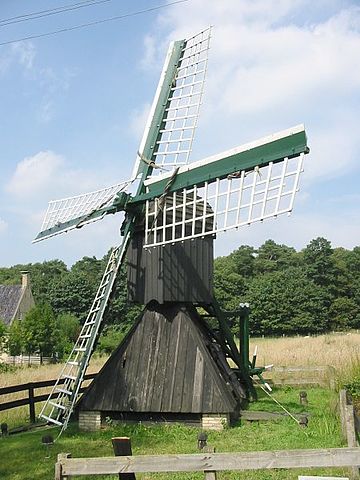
73	106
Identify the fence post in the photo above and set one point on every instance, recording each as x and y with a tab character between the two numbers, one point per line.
31	403
348	427
122	448
342	406
58	466
211	475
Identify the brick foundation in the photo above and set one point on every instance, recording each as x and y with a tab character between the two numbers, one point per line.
89	421
215	421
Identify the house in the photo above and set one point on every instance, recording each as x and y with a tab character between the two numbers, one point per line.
16	300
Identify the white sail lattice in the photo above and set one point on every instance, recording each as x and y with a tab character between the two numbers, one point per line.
224	204
67	209
174	146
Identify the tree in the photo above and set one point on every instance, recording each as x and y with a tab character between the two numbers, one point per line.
72	293
66	331
286	302
38	328
272	257
243	260
91	268
344	314
228	284
15	341
319	262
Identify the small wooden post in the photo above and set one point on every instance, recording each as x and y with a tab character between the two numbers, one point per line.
303	398
342	406
58	466
31	403
210	475
348	427
122	448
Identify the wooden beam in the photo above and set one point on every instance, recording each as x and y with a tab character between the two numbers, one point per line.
332	457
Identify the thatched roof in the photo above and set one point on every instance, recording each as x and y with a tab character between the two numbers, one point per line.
9	300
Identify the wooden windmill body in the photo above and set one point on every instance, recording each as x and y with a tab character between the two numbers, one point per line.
173	363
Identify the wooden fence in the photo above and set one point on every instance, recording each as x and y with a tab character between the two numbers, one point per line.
209	463
31	399
27	360
324	376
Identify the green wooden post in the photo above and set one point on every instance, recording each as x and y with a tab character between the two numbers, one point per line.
244	336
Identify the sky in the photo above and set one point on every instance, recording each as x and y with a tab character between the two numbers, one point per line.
73	107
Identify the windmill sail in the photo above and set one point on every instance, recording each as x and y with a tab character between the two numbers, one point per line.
167	139
74	212
173	144
258	190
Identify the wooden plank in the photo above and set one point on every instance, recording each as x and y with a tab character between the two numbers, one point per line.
311	477
331	457
350	426
162	374
35	385
198	382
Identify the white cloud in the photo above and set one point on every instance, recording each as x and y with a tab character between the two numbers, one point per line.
150	52
34	173
274	64
47	175
25	53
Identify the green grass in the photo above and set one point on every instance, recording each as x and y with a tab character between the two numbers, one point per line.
23	456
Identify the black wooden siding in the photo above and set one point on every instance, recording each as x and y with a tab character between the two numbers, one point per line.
180	272
163	365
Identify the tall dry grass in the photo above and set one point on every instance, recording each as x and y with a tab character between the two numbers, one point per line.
341	351
338	350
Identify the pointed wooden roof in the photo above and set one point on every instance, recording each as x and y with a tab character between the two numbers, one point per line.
163	365
9	300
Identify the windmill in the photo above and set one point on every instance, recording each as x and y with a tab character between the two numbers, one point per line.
178	207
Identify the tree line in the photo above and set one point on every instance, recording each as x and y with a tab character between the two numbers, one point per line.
314	290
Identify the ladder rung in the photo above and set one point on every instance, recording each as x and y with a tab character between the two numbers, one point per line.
86	324
63	390
75	364
57	405
80	349
88	335
70	377
51	420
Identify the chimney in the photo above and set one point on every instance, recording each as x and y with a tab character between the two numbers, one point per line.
25	280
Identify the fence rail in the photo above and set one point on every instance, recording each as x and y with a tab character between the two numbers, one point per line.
28	360
301	376
31	399
208	462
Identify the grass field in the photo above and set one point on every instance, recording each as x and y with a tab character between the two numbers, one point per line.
23	456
